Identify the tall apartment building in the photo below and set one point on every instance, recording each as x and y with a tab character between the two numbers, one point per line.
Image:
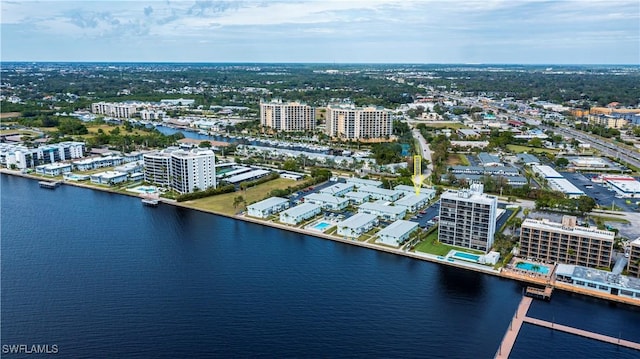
191	170
120	110
287	116
157	166
350	122
468	218
633	261
566	242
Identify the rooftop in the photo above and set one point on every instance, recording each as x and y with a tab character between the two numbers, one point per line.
300	209
378	190
598	276
545	224
326	198
357	220
268	203
383	208
398	228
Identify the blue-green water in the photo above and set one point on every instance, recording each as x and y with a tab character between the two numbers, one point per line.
100	275
532	267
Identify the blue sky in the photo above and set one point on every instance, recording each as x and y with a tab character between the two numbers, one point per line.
331	31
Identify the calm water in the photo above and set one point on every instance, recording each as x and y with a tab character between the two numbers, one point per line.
100	275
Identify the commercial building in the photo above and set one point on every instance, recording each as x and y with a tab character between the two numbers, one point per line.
563	185
633	261
327	201
566	242
468	218
528	159
247	176
338	189
598	280
287	116
193	170
119	110
357	225
545	171
299	213
412	202
381	193
624	186
389	213
397	232
355	123
489	160
267	207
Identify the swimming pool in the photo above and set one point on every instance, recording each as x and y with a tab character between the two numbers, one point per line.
144	189
321	226
531	267
466	256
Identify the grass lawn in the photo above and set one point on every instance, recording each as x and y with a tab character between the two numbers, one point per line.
530	150
432	246
610	219
9	115
452	125
20	132
223	203
455	159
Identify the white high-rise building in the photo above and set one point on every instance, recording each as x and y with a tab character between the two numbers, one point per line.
468	218
350	122
287	116
157	167
193	170
120	110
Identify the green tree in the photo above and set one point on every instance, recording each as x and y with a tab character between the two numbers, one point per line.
562	162
204	144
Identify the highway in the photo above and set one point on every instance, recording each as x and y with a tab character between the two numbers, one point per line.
425	152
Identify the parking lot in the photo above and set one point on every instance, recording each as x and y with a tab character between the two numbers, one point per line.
603	196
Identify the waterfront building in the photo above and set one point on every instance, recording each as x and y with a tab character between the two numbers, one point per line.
633	264
468	218
409	190
389	213
193	170
381	193
63	151
327	201
357	225
94	163
412	202
598	280
23	157
566	242
356	123
338	189
247	176
357	197
267	207
287	116
53	169
111	109
131	167
397	232
361	182
109	177
300	213
157	167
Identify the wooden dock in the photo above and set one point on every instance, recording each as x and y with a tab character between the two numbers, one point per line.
49	185
539	293
520	317
514	328
583	333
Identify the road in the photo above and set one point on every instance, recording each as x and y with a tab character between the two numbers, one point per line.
425	152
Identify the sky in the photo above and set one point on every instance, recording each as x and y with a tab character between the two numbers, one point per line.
323	31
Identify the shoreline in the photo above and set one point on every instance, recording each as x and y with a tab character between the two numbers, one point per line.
413	255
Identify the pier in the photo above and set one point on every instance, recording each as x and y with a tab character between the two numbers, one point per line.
520	317
583	333
49	185
539	293
514	328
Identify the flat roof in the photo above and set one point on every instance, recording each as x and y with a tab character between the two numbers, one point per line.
326	198
383	208
509	171
546	171
357	195
378	190
357	220
598	276
527	158
237	171
398	228
626	185
411	200
246	176
268	203
109	174
338	187
469	196
545	224
301	209
364	182
485	157
563	185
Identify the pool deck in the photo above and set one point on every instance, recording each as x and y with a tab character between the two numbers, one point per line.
458	263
